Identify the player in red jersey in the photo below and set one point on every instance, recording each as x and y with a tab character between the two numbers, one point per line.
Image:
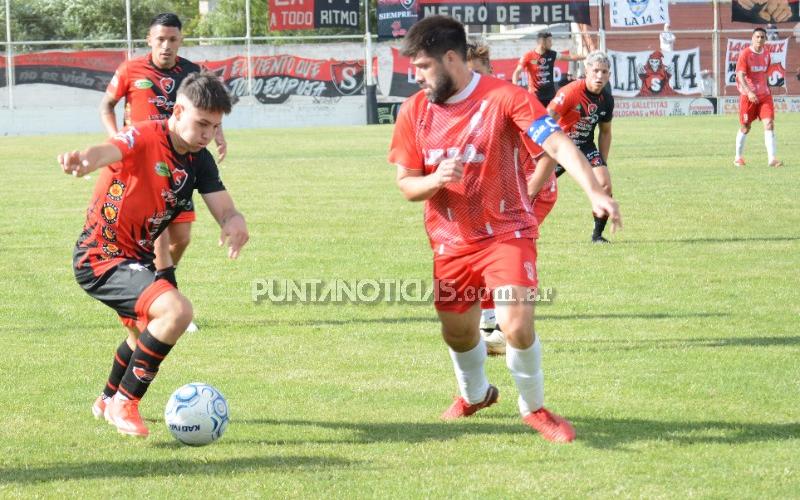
457	146
581	106
149	85
542	189
152	168
540	65
755	99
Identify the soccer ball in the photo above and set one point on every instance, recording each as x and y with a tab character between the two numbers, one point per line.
196	414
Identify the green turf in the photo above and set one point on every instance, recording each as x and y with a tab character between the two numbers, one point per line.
675	351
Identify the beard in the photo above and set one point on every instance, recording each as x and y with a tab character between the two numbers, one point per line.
442	89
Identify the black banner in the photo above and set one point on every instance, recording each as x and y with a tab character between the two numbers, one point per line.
395	17
502	12
765	11
336	14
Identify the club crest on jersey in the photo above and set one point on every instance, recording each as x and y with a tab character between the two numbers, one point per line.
111	250
162	169
110	213
344	76
179	177
167	84
115	190
143	375
143	84
592	108
109	234
127	136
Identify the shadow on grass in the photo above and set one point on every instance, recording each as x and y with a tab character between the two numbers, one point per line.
665	315
595	432
605	345
163	468
732	239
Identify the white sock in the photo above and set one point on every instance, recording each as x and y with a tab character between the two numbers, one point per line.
740	137
526	369
769	142
468	366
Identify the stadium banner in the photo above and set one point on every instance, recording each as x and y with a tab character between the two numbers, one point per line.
395	17
404	85
387	112
488	12
90	70
776	73
783	104
765	11
626	13
312	14
665	106
653	74
276	78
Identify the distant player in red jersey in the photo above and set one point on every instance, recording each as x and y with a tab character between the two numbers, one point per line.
457	146
542	189
580	107
152	168
149	85
755	99
540	65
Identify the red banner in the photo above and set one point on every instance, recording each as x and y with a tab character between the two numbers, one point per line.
291	15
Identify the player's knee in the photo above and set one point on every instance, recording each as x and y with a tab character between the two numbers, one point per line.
174	309
180	242
769	125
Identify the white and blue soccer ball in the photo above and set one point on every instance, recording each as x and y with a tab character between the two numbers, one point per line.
196	414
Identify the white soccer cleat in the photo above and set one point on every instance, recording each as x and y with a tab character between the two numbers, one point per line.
495	342
488	320
192	328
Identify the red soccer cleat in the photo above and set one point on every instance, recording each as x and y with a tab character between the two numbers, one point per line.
460	408
99	406
739	162
551	426
124	414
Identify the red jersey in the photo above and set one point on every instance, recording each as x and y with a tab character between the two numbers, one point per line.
754	66
580	110
482	126
149	91
135	199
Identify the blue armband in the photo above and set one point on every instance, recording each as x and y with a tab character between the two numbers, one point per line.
542	128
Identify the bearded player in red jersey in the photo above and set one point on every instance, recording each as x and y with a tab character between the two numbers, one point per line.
457	146
152	169
149	85
581	106
755	99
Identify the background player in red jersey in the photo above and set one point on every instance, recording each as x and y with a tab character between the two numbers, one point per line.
578	108
540	65
152	169
456	146
755	99
149	85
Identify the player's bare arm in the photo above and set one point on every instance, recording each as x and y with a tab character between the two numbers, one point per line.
604	139
231	221
515	75
416	186
570	57
163	258
751	96
222	144
544	169
559	146
80	163
107	114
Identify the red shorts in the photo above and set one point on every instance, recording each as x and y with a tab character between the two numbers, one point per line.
764	109
185	216
460	281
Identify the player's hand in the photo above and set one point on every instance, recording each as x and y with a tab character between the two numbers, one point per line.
73	164
751	96
776	11
450	170
234	232
604	205
748	4
222	149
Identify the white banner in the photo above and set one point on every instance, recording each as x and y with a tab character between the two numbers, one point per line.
665	106
639	12
776	73
783	104
653	74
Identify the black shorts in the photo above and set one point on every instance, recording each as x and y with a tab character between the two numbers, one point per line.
592	155
129	288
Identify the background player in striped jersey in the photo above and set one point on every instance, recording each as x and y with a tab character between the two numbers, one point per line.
755	98
151	169
456	145
581	106
149	85
540	64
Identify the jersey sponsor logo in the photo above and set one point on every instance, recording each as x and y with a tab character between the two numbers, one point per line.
166	84
169	197
143	84
161	102
542	128
110	213
116	190
143	375
179	177
109	234
111	250
162	169
469	155
127	136
343	77
758	69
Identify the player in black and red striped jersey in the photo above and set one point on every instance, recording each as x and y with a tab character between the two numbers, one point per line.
151	170
149	85
579	108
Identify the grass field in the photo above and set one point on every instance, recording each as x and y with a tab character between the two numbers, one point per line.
675	351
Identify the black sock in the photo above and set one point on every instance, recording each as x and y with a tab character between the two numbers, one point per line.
121	360
559	170
599	226
142	369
